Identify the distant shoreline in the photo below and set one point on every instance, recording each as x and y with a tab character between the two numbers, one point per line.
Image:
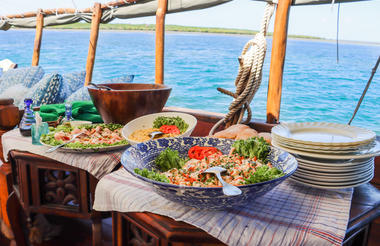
190	29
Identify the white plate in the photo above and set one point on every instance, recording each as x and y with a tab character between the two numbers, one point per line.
318	161
332	186
341	183
334	164
327	173
331	169
324	134
315	147
374	151
333	179
306	148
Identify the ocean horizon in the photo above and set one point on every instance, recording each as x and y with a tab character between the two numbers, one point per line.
315	86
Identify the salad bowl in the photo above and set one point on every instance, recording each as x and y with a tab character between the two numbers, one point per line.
146	121
143	155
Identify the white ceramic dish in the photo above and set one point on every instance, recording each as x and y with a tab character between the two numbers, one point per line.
146	122
334	179
324	173
366	153
332	186
323	134
331	169
306	148
317	147
334	164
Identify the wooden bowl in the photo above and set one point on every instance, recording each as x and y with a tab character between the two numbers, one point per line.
128	101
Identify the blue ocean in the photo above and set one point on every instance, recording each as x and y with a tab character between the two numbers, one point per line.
315	86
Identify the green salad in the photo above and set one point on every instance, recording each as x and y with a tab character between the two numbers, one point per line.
92	136
177	121
246	164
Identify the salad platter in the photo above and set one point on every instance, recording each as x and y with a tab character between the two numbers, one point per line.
92	138
252	165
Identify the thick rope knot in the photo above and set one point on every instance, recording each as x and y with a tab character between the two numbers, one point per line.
249	75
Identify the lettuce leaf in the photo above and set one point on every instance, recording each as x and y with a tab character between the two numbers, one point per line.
169	159
153	175
252	147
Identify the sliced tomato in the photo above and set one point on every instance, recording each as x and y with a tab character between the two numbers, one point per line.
198	152
170	129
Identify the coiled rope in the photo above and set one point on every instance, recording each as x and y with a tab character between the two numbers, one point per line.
249	75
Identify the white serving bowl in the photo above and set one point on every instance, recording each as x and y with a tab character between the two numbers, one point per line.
146	122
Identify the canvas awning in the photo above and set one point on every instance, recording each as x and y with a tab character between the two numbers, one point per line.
139	9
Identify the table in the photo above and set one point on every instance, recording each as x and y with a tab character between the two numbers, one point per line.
153	229
50	187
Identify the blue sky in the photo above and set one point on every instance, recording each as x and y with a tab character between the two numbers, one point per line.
359	21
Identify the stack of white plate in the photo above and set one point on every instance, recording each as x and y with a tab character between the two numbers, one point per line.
330	155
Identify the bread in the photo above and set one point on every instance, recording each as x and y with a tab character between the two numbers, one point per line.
246	133
231	132
241	131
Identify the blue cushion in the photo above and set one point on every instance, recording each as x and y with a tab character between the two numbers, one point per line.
46	91
27	77
79	95
70	83
83	95
122	79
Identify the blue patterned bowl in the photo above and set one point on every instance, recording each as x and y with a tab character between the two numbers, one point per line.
142	156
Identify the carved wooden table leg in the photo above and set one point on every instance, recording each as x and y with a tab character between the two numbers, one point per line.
96	229
48	187
13	209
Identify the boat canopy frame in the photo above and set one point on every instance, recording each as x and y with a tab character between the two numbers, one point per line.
104	13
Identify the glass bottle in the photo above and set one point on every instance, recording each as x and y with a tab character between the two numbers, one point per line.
68	112
27	119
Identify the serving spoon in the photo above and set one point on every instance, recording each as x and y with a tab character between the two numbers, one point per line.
228	189
61	145
152	135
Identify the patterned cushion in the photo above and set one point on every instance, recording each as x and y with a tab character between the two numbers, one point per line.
46	91
83	95
27	77
70	83
79	95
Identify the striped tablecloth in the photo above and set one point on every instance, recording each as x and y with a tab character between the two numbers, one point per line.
290	214
98	164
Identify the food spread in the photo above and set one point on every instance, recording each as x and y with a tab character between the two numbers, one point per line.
246	164
170	126
92	136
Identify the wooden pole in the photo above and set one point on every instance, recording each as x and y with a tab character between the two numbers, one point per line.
117	3
96	16
38	38
277	61
160	40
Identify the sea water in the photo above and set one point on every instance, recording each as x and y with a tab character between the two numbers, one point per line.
315	86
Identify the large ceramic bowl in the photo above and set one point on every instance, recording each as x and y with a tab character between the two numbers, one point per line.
142	155
127	101
146	122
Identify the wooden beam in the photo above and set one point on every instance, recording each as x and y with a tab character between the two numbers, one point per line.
38	38
160	40
96	16
277	61
71	10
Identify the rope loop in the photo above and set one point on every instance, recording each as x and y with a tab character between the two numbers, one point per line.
249	75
